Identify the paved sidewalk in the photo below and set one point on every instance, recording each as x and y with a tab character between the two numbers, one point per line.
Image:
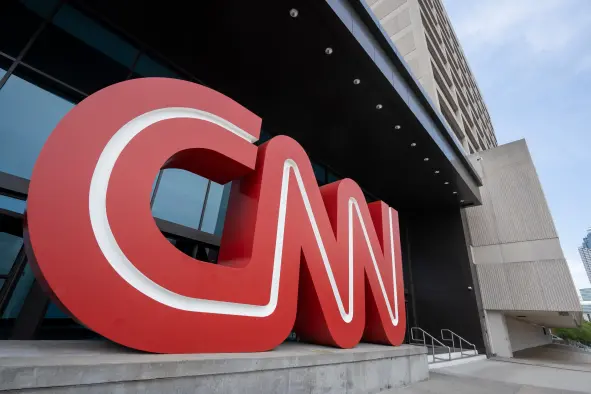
439	383
515	376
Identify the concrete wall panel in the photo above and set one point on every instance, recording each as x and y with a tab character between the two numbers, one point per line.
523	335
519	261
544	285
498	334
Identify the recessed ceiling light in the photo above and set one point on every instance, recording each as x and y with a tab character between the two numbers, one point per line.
356	81
294	13
328	51
437	171
397	127
379	106
413	144
446	183
455	192
426	159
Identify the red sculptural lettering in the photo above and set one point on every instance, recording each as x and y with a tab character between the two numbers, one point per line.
293	256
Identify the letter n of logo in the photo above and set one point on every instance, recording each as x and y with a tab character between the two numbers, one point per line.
292	255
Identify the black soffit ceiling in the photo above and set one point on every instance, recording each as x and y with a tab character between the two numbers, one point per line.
275	64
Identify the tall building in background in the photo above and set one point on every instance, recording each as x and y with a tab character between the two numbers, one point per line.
586	294
423	35
585	251
523	280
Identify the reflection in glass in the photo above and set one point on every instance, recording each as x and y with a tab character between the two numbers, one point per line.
12	204
10	245
212	208
20	293
80	53
332	177
17	25
96	36
28	114
53	312
147	67
180	197
320	173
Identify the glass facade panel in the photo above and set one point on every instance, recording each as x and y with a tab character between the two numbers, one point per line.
12	204
43	8
82	54
20	293
94	35
10	245
219	227
147	67
180	197
21	134
320	173
212	208
53	312
17	25
332	177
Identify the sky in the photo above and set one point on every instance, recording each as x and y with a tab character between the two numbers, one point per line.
532	63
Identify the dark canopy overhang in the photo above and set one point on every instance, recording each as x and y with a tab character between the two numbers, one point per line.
276	65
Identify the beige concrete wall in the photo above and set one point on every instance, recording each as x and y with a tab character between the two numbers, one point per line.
523	335
508	334
519	261
423	34
401	19
498	334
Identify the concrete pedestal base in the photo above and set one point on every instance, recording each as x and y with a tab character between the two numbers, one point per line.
101	367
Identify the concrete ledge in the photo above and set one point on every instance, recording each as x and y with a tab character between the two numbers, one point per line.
99	367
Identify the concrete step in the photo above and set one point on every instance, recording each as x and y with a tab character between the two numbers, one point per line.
444	355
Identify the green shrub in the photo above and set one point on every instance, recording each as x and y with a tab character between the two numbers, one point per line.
581	334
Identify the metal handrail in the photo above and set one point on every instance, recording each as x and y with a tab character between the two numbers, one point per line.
423	340
452	337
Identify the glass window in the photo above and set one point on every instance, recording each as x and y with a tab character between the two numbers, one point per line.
20	293
212	208
53	312
332	177
12	204
18	24
94	35
320	173
81	53
28	114
264	137
219	227
147	67
180	197
10	245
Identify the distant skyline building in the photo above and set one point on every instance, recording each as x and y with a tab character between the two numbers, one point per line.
585	294
585	251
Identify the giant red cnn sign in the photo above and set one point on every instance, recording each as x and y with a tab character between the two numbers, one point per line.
293	256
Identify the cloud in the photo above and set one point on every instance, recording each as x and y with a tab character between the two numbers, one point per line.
584	64
527	26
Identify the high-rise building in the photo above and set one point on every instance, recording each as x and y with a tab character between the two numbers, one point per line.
585	251
585	294
424	36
